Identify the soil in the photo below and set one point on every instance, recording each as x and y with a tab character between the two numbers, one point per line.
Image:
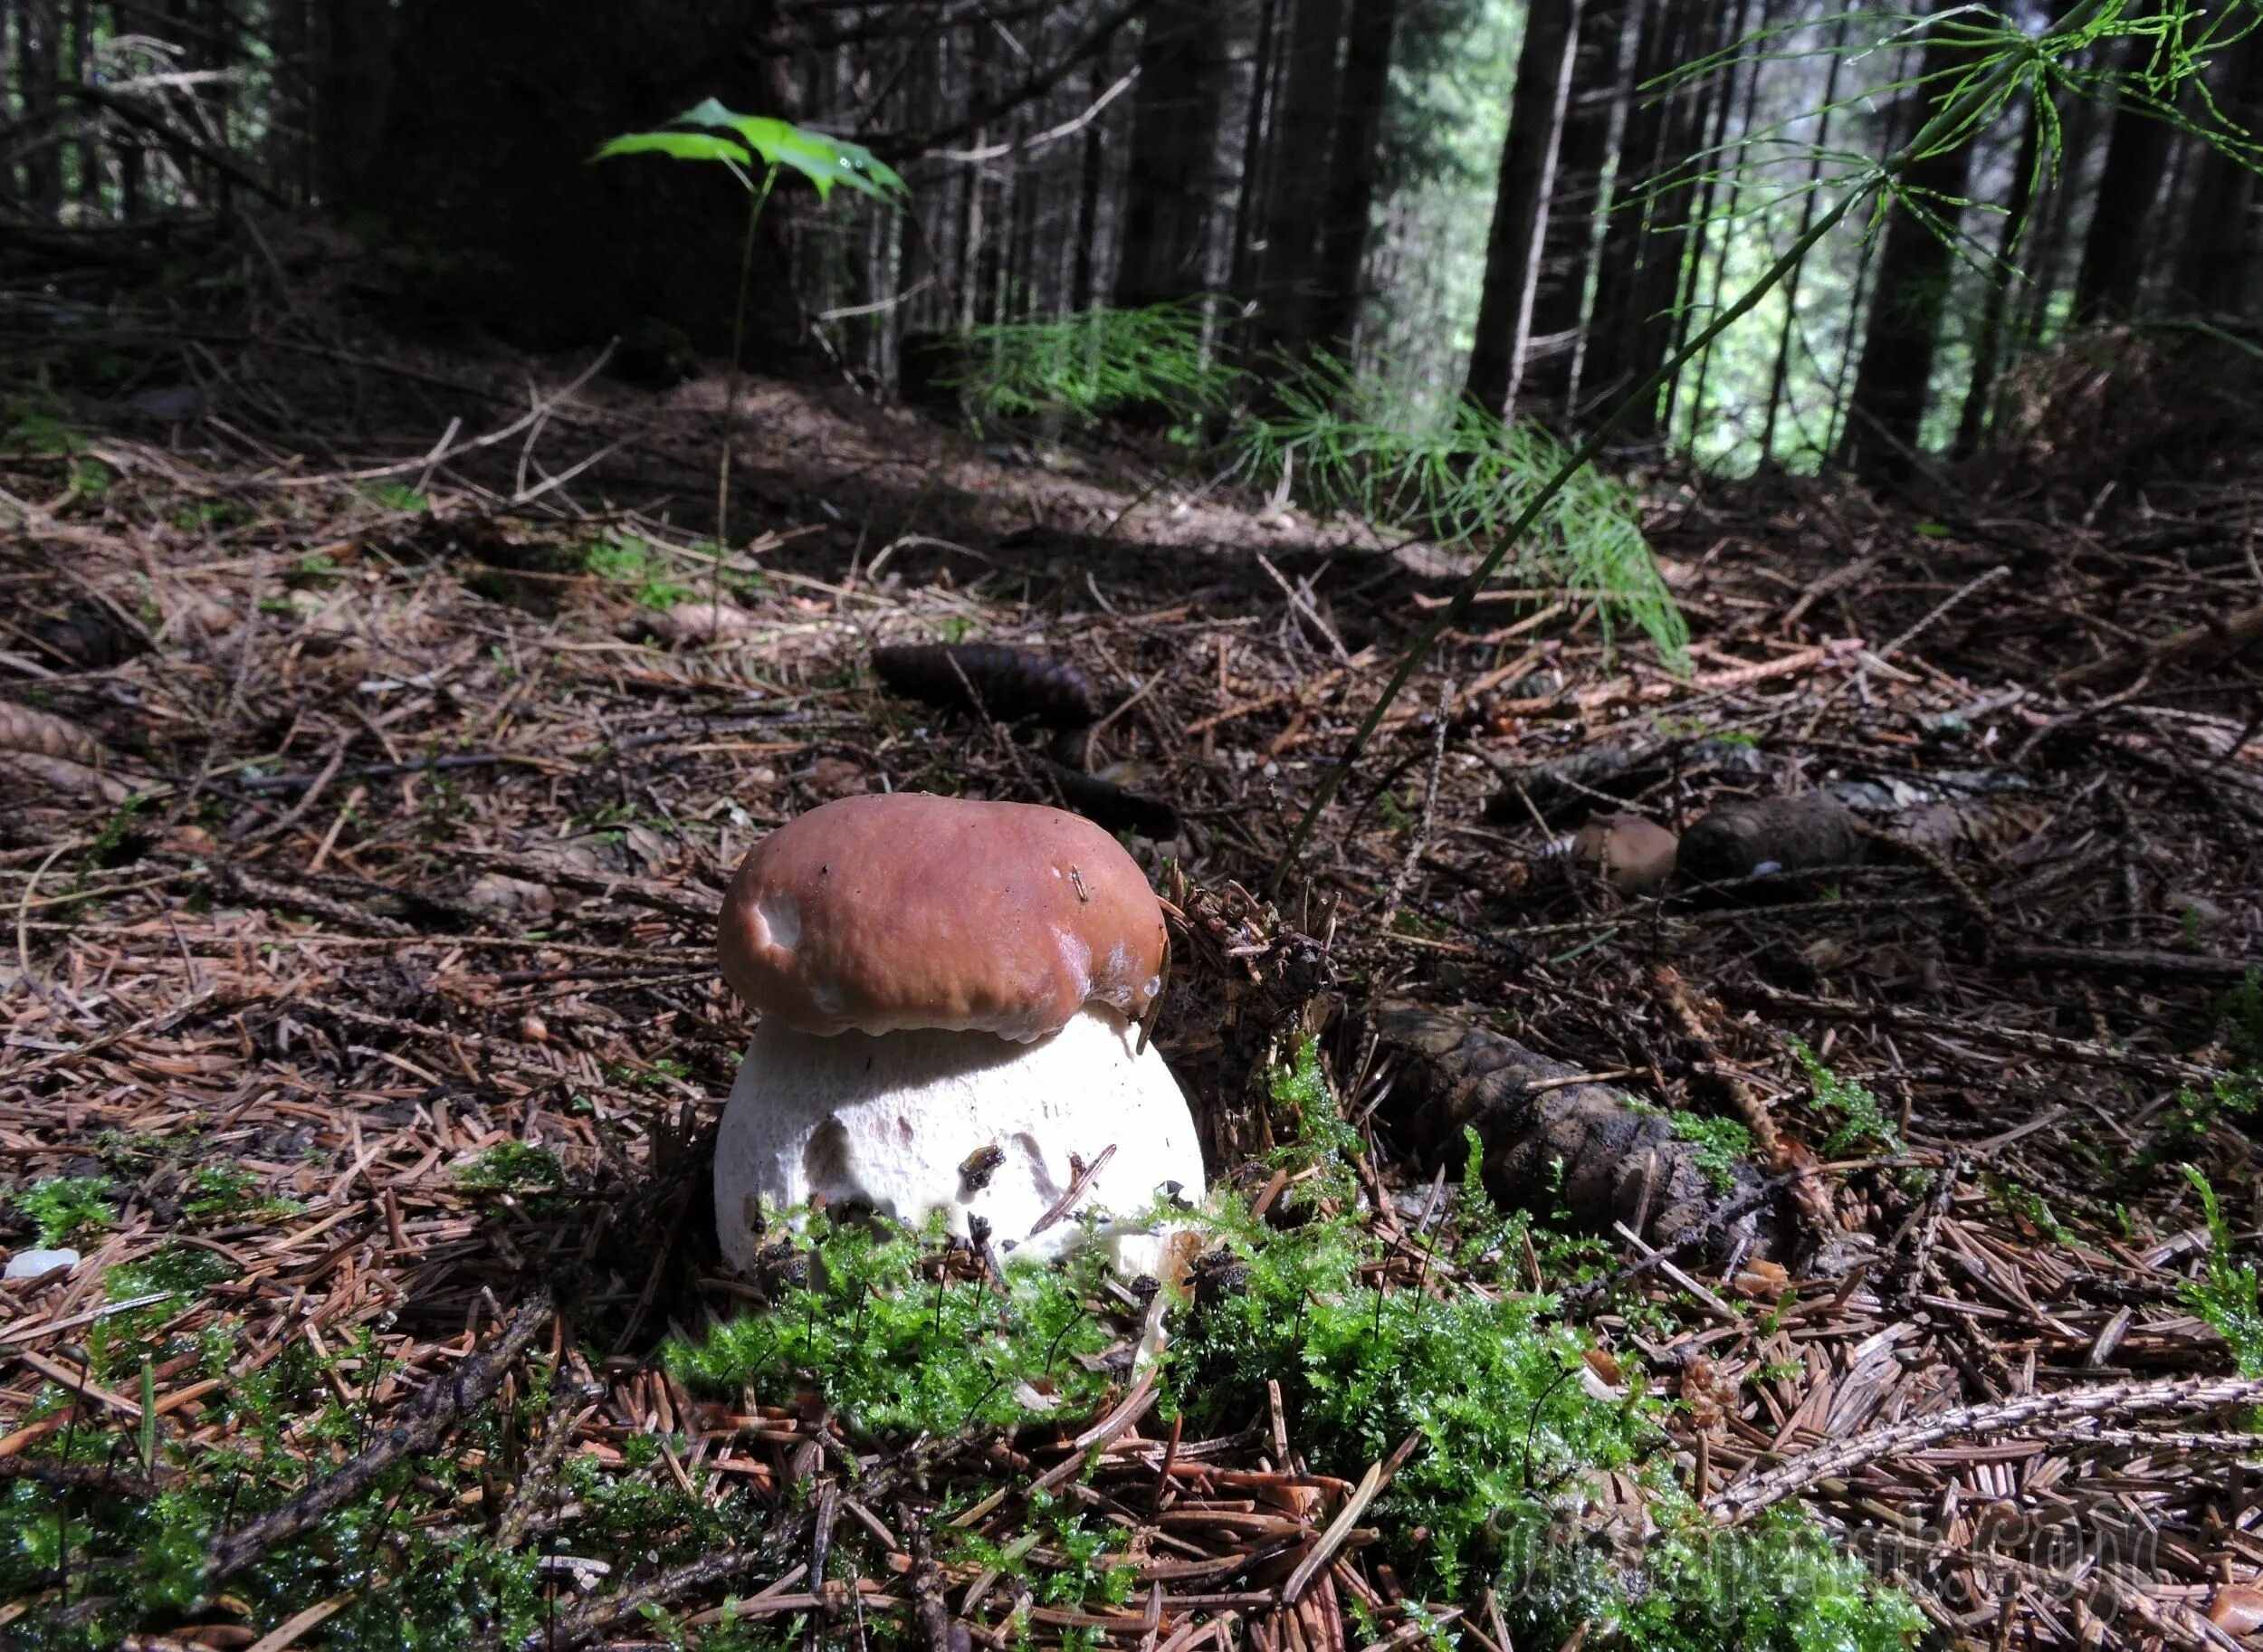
367	824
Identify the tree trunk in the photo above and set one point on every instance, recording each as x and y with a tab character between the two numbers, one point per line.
1299	175
1250	189
1779	374
288	149
1354	152
353	53
1529	159
1174	139
1656	316
1080	281
1971	425
2215	263
1610	332
2113	250
1575	201
1022	280
1914	263
974	221
216	99
39	69
89	189
1724	101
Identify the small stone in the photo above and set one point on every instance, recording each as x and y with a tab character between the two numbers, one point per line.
37	1263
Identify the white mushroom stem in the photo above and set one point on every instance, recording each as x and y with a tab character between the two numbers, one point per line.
965	1122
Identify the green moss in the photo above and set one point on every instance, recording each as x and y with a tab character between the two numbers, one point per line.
65	1207
1722	1146
512	1166
897	1352
228	1192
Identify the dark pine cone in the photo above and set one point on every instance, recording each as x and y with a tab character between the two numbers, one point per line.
1012	683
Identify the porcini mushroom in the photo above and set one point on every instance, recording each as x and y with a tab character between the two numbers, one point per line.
950	995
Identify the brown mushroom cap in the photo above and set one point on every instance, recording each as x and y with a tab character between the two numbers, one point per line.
884	912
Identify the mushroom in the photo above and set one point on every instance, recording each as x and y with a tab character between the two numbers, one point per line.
952	994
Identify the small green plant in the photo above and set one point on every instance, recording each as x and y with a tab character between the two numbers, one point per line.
398	497
1322	1140
65	1208
1081	367
2241	1016
617	556
627	559
1350	443
1723	1145
33	432
744	145
2225	1295
103	850
1861	1122
91	479
224	1192
2026	1202
512	1166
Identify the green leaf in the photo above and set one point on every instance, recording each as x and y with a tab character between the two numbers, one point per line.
824	159
681	146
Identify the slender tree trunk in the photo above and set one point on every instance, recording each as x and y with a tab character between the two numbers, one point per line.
974	219
1530	154
1174	141
217	100
1657	316
1779	374
1575	203
1299	173
1080	287
87	189
966	279
2221	237
1353	153
290	142
1724	102
39	70
353	49
1916	260
2115	249
1971	425
1250	189
1022	282
1616	309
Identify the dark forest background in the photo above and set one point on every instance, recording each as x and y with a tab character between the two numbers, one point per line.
1536	206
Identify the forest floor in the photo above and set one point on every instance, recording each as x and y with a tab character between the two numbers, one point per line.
370	791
